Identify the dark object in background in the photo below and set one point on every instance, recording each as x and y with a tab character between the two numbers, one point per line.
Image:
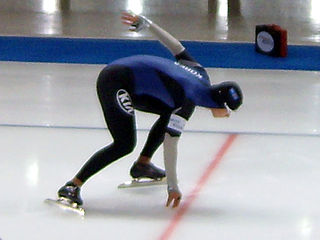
271	40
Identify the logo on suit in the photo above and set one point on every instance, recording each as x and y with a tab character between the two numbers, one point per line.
125	102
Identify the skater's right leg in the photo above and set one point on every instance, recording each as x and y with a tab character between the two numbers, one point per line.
113	91
143	168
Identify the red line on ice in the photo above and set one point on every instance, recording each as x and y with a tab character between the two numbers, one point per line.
194	193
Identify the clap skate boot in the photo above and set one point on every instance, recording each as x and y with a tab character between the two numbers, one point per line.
146	170
70	193
145	174
68	198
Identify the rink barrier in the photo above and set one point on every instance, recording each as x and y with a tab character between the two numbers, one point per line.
104	51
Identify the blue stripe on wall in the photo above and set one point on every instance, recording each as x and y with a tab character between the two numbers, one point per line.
103	51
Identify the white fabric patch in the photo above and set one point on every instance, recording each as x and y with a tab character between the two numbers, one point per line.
177	123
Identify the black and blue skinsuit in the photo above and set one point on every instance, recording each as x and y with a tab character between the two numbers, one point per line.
150	84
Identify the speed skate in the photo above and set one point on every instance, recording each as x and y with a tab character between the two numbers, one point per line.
66	204
143	182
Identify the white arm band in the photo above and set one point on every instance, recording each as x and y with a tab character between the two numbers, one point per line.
174	45
170	146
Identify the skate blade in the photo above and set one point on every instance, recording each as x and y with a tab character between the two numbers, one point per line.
143	182
66	205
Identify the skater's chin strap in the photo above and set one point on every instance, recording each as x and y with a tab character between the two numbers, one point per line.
170	146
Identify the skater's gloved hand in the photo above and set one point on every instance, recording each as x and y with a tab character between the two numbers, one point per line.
175	197
136	22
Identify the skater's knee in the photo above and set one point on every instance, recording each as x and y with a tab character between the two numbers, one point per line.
128	148
125	147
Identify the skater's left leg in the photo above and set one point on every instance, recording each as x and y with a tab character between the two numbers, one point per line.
121	124
124	142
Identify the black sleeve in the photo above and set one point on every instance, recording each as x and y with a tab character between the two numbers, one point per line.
185	112
185	56
186	59
156	134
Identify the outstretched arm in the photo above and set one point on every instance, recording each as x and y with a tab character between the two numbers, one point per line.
139	22
170	146
170	152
